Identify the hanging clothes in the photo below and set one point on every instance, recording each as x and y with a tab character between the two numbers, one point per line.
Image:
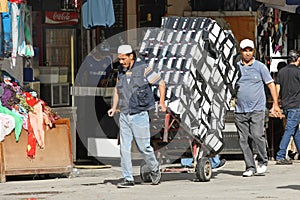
29	52
15	14
1	38
21	38
97	13
94	69
6	28
25	44
16	1
3	6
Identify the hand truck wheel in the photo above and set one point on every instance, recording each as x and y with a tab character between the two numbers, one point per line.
203	169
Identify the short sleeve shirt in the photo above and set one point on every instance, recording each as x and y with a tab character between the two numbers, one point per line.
289	80
250	87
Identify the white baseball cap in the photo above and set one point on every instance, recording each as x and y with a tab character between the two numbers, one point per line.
246	43
124	49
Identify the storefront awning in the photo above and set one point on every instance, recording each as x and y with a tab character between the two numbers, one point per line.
286	8
273	2
291	6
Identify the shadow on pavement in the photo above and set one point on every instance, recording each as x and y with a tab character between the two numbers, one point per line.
229	172
293	187
164	178
175	177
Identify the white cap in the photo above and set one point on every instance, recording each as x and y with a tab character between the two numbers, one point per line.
124	49
246	43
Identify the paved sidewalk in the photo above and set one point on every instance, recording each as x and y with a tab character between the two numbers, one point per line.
280	182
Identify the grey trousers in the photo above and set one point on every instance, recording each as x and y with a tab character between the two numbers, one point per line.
250	128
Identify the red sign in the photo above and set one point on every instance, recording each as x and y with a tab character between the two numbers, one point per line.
61	18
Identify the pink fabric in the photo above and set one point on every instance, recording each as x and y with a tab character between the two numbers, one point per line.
37	123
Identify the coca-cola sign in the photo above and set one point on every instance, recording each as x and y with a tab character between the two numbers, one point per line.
61	17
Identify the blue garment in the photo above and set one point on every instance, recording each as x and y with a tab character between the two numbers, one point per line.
292	2
215	161
93	70
291	130
298	10
250	87
97	13
135	127
7	32
1	39
288	79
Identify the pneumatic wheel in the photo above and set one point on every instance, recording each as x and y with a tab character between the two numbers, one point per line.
203	169
145	173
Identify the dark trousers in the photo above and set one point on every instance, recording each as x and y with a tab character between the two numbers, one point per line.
250	128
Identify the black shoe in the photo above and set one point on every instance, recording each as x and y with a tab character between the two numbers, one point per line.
155	177
284	162
222	163
125	184
292	155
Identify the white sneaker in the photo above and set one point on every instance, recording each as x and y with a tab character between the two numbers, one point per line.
248	173
261	169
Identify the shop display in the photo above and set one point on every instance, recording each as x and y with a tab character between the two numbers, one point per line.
29	112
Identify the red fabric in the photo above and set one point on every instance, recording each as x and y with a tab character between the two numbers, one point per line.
30	100
16	1
31	143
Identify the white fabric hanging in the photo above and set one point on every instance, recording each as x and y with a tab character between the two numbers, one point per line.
7	124
14	27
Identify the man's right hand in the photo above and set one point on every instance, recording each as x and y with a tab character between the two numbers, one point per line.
111	112
162	107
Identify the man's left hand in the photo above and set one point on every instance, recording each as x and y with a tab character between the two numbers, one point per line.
276	111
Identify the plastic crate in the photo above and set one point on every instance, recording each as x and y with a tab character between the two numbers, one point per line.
49	74
63	74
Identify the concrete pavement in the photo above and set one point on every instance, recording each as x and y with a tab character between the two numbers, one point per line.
280	182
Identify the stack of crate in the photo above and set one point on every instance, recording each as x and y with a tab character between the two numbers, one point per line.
196	59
